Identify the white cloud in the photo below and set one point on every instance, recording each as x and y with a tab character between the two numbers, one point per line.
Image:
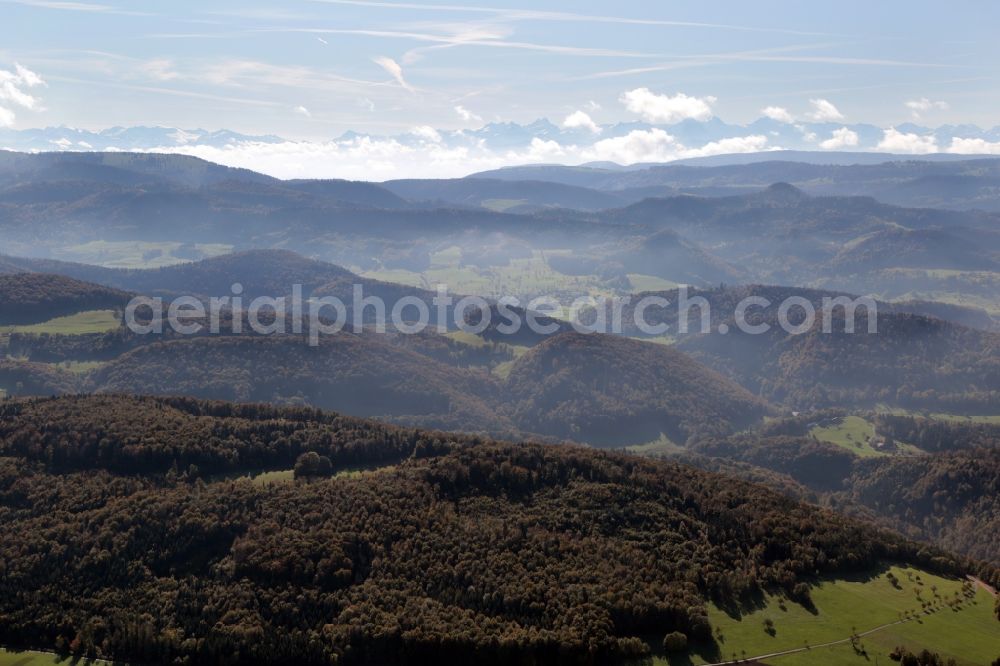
922	105
302	111
467	115
592	106
841	138
580	120
394	70
824	111
653	145
541	150
894	141
12	86
778	113
974	147
655	108
656	145
426	133
28	77
754	143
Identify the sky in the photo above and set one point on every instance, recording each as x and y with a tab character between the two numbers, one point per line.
310	70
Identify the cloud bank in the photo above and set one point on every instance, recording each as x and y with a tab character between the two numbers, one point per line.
431	157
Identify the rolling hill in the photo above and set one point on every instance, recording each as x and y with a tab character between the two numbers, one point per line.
444	544
911	361
512	196
29	298
933	181
361	375
614	391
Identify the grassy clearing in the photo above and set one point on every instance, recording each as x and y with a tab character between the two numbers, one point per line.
969	632
851	432
79	367
81	323
857	435
663	445
500	205
641	283
280	476
468	339
30	658
659	340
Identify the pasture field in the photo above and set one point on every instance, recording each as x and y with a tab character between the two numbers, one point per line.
852	433
957	623
81	323
31	658
856	435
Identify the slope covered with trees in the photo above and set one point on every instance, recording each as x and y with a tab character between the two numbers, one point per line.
615	391
464	550
29	298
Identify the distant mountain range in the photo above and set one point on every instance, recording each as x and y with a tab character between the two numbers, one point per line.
498	137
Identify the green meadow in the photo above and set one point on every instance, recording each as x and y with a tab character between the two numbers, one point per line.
92	321
948	616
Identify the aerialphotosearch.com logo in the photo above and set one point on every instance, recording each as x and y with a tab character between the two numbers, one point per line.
544	315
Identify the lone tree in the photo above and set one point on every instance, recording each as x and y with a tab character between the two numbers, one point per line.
675	641
312	464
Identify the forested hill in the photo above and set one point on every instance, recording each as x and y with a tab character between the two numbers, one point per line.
570	554
28	298
611	390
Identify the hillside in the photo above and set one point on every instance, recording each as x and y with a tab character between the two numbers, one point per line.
568	553
952	499
960	183
502	194
29	298
608	390
261	272
911	361
937	482
25	378
361	375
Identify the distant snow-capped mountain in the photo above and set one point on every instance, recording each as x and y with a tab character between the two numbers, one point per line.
120	138
424	152
510	135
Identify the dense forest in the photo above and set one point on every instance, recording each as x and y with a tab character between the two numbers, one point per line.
453	549
29	298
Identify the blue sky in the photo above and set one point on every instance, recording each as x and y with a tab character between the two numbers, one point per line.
314	69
